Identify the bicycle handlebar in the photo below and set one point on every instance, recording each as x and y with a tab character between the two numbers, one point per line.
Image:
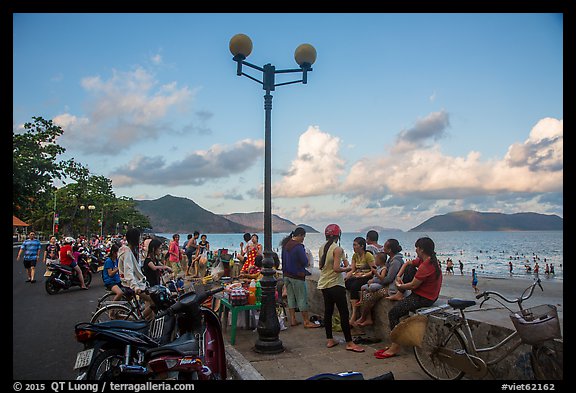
486	294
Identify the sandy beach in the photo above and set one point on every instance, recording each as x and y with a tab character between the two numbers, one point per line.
459	286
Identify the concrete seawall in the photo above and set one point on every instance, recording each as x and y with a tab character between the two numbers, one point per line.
489	324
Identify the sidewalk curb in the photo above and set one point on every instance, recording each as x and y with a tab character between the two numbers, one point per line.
239	367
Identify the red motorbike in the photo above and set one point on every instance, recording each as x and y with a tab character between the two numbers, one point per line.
63	276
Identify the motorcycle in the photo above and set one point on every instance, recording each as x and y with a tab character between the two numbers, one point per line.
63	276
351	376
94	259
184	341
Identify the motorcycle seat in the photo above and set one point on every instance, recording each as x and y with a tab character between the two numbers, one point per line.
128	325
185	345
65	267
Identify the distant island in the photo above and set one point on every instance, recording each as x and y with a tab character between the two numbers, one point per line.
170	214
379	229
469	220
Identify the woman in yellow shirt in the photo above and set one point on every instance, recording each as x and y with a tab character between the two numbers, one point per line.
362	263
331	284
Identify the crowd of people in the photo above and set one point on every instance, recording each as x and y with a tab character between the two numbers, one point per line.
374	272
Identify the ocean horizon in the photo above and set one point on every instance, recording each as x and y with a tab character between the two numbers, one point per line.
489	252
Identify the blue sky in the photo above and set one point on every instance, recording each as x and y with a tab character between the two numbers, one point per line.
405	116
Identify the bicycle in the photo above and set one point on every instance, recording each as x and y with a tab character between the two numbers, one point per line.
129	308
448	350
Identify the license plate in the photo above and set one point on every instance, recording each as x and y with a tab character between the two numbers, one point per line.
48	273
83	358
100	268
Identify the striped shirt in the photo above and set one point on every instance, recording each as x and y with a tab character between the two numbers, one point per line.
31	248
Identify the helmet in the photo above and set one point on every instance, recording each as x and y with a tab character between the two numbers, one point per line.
161	297
332	230
69	239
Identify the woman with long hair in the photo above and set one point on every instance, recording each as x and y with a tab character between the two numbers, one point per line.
253	249
130	273
153	267
362	264
425	289
331	283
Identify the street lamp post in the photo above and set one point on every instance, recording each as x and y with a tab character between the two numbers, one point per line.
90	208
305	55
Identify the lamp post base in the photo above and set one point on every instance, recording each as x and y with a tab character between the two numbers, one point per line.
268	325
268	348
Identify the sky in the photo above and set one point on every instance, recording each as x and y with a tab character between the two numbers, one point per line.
404	116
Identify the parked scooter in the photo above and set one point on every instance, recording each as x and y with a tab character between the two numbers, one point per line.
94	258
63	276
351	376
183	341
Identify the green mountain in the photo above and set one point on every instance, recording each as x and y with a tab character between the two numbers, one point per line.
468	220
256	220
171	214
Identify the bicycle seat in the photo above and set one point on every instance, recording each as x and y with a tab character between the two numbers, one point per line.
460	304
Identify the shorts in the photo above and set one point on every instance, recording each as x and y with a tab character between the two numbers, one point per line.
52	261
297	294
28	263
110	286
190	257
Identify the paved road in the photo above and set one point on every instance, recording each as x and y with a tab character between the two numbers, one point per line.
44	347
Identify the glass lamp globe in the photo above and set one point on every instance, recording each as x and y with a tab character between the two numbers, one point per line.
305	55
241	46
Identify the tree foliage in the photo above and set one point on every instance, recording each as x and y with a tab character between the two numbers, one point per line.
35	199
35	165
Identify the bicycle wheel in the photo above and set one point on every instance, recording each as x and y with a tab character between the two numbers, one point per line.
114	312
548	360
439	336
107	297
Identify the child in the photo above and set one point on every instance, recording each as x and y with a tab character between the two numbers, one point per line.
375	283
110	274
475	281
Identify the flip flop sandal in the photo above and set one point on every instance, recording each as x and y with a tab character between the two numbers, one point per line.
333	345
384	355
380	351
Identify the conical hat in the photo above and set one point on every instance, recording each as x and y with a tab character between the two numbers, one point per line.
410	331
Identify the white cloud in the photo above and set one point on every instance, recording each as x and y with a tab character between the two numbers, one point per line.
543	150
316	169
128	107
423	181
156	59
534	166
217	162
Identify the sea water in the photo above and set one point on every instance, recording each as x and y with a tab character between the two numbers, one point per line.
489	252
